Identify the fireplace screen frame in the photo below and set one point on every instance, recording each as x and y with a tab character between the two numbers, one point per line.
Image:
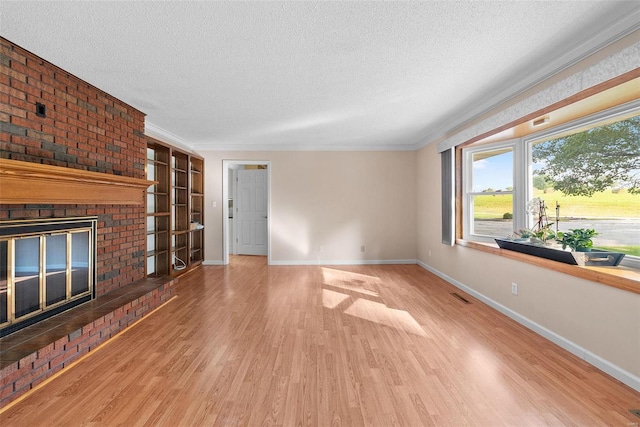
58	274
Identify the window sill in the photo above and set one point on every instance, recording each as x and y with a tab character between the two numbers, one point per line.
620	277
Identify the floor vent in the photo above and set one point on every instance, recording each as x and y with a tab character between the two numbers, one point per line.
460	297
635	412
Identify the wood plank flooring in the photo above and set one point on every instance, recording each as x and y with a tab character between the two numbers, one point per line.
251	344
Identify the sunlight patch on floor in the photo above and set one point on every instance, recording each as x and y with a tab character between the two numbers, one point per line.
379	313
350	281
363	308
331	299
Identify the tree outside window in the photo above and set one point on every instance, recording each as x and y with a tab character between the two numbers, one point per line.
594	175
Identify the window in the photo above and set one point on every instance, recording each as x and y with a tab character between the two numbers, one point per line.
587	173
490	199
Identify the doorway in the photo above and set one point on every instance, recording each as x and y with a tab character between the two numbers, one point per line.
246	192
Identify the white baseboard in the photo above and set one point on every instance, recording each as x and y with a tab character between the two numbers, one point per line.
343	262
604	365
328	262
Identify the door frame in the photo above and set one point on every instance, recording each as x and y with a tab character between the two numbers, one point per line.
226	165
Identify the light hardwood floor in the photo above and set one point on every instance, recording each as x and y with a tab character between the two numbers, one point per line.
386	345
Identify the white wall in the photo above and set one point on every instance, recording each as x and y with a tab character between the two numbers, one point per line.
602	320
597	322
337	200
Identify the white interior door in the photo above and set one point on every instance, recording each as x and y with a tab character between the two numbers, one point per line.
251	223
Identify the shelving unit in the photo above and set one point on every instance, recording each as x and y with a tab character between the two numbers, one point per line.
196	210
175	210
179	211
158	215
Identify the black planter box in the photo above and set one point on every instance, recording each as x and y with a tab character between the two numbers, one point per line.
594	257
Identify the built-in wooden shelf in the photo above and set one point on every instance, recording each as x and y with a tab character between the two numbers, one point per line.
174	246
26	183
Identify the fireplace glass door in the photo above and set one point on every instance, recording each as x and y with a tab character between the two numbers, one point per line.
26	281
44	268
4	273
56	269
80	255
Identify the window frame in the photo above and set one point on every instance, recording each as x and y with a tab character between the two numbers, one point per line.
523	172
467	194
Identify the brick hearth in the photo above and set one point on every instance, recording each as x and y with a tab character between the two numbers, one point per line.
35	353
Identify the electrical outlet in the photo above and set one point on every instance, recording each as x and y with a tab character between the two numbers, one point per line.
514	288
320	248
429	253
362	248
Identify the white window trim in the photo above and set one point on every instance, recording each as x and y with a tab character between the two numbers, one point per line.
522	172
468	193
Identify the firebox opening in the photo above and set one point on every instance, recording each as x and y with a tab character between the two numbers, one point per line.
46	266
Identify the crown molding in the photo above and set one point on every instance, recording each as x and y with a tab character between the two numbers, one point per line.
625	63
164	135
212	146
516	85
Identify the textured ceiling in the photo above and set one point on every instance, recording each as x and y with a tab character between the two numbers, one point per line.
313	75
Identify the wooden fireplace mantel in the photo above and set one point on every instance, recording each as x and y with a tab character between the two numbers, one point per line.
27	183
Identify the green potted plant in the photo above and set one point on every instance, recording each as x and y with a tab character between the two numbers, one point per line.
578	239
543	235
524	234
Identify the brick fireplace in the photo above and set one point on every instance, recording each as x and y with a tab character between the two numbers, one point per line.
70	150
50	117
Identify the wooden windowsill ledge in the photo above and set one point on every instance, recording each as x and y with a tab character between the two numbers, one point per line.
620	277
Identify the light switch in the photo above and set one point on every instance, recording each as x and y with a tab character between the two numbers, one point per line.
213	204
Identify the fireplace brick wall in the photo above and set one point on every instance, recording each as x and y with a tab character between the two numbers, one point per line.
84	128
